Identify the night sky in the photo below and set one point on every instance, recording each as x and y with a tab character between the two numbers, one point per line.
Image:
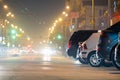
36	16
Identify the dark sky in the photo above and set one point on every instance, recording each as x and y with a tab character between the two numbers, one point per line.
36	16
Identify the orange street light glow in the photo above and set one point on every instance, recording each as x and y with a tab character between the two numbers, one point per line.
5	7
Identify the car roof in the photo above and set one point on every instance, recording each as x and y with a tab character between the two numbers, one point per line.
82	35
115	27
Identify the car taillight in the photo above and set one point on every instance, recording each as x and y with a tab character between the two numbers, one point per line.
104	34
85	46
70	44
99	49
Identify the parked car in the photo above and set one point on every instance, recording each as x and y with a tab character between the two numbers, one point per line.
78	37
88	47
116	55
107	42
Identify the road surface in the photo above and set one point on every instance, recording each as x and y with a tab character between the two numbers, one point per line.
52	68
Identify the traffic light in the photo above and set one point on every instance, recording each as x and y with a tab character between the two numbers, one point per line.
13	37
59	36
13	31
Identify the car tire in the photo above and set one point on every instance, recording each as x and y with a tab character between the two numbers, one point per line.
116	58
93	60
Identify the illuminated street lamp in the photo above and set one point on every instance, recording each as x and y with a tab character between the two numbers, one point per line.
54	24
13	37
12	15
12	26
3	26
49	29
23	32
5	7
56	21
28	38
20	30
9	13
60	19
64	13
67	7
16	27
7	21
44	41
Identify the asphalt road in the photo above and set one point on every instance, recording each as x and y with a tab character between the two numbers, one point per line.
52	68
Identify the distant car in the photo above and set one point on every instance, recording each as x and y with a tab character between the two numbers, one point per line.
78	37
108	41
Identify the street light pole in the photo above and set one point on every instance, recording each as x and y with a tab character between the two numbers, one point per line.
93	14
109	12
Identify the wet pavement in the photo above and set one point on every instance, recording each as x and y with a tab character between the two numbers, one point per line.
55	68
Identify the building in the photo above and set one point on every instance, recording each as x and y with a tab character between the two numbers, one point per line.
86	15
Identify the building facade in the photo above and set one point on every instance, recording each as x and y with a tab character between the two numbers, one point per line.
84	15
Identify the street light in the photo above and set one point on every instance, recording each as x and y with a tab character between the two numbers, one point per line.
5	7
16	27
3	26
12	26
56	21
60	19
20	29
67	7
54	24
12	15
9	13
28	38
66	15
63	12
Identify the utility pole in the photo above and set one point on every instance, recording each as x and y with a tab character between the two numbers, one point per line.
93	14
109	12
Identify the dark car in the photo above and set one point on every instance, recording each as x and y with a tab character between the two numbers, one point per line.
116	56
78	37
108	41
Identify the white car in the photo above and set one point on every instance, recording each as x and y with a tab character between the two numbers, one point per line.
87	46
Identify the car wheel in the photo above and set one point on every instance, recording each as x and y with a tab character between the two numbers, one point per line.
116	58
93	60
